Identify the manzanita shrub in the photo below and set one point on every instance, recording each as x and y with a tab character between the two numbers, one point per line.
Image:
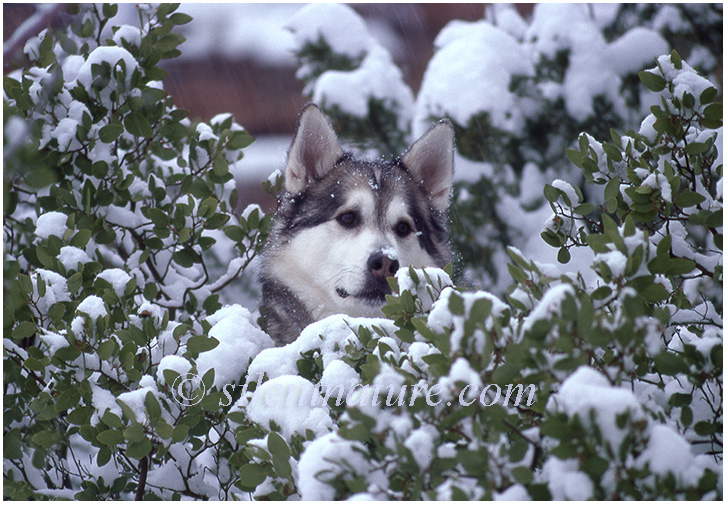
130	373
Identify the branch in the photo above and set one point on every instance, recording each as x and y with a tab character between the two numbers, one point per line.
143	469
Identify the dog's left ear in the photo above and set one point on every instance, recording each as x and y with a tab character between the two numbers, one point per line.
431	160
314	151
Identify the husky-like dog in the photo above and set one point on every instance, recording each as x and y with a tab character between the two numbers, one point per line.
344	225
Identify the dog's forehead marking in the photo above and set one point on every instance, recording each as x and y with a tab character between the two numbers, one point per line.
396	209
362	199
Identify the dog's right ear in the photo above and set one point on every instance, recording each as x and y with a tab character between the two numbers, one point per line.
314	151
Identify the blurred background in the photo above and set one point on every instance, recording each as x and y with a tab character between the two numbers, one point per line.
239	58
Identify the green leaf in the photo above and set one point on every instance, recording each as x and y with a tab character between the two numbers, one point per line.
670	266
137	125
708	96
575	157
180	433
111	437
551	194
704	428
220	166
252	475
111	420
164	429
676	59
522	474
152	406
688	199
563	255
669	363
110	132
13	444
239	140
654	293
106	349
281	454
584	209
138	450
456	304
180	18
24	330
134	433
109	10
652	81
201	343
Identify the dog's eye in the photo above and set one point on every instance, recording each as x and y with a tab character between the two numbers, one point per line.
348	219
402	229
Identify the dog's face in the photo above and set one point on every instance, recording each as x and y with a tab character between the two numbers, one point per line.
345	225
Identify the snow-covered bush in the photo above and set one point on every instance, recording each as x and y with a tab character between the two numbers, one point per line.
128	373
120	239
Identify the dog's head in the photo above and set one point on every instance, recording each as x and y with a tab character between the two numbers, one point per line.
344	225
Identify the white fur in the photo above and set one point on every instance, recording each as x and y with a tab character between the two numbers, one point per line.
318	261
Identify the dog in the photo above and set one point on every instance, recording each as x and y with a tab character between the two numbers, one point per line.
344	224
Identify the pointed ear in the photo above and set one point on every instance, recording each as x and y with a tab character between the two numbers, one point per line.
431	160
314	151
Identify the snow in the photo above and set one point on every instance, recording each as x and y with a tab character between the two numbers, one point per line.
56	289
469	73
685	80
549	305
122	217
339	374
114	56
338	24
570	193
321	462
615	260
439	279
635	50
329	337
461	372
293	403
71	256
93	306
117	278
421	444
669	453
175	363
587	390
516	492
376	79
135	399
51	223
240	340
102	399
565	481
647	129
129	34
53	340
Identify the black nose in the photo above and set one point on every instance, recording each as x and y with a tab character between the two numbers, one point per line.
381	265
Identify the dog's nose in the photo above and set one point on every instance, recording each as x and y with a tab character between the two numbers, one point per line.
381	265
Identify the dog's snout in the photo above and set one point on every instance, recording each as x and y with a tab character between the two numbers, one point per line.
382	266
